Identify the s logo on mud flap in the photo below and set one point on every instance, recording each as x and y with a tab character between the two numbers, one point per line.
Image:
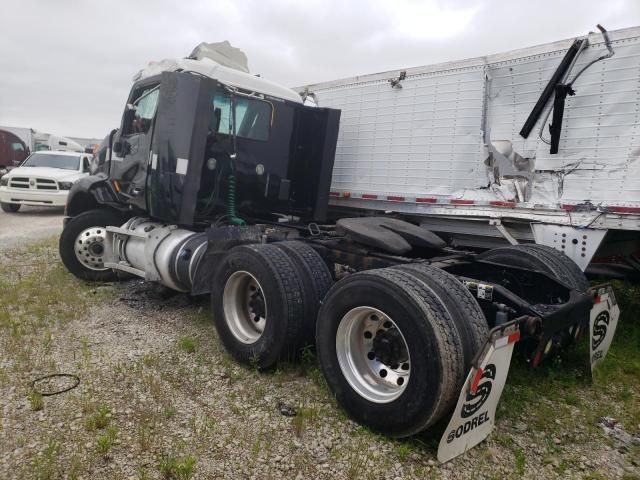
600	329
475	401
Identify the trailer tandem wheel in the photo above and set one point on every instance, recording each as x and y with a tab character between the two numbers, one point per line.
389	351
460	303
81	244
257	304
316	282
540	257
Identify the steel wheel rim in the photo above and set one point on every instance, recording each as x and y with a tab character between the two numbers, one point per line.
370	377
245	307
89	248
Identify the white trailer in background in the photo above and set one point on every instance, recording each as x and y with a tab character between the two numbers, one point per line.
441	144
37	141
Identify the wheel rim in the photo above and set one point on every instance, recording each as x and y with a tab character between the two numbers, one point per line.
373	354
245	307
89	248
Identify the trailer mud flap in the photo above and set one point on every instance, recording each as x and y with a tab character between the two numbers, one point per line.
603	321
474	416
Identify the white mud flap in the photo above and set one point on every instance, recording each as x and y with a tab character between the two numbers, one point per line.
602	324
474	416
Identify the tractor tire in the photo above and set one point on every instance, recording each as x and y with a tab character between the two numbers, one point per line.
390	351
316	282
81	244
460	303
10	207
542	258
257	305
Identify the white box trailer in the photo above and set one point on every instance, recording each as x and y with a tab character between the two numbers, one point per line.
442	144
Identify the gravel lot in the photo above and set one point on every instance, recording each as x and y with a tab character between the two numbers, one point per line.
159	398
29	224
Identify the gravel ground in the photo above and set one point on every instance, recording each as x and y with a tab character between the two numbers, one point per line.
159	398
29	224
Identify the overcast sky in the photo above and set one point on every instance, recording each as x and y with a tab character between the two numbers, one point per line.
66	65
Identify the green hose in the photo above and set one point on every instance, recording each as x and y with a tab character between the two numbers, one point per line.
232	214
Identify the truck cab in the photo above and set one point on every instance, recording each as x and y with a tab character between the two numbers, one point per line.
202	140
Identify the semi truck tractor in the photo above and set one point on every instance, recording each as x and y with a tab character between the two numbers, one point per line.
218	182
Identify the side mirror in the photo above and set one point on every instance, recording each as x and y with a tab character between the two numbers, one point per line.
117	148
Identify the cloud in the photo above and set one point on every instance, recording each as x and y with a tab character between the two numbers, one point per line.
66	66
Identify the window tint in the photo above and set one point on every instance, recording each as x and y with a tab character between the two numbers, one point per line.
17	147
253	117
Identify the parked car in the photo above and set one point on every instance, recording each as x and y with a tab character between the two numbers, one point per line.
44	178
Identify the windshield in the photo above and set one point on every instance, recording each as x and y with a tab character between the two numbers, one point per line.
66	162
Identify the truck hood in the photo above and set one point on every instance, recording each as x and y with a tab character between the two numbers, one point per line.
59	174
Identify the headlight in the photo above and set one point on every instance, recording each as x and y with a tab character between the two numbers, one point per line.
4	181
65	185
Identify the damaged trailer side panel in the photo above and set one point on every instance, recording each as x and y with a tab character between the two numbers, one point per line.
443	143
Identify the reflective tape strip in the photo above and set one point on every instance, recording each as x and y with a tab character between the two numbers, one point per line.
181	166
504	341
154	161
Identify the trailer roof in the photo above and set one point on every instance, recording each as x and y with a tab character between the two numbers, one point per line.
595	38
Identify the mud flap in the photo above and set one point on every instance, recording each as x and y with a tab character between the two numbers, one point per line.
603	321
474	416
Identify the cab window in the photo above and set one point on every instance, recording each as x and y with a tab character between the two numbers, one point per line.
253	117
140	113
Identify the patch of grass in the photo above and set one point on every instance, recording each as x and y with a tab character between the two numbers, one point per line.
46	465
520	462
36	400
303	418
188	344
169	411
99	419
174	468
105	441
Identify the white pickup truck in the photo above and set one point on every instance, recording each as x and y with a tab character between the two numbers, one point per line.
44	179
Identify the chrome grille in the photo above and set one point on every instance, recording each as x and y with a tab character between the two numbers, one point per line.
19	182
33	183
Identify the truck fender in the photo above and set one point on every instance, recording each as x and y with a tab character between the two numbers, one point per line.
89	193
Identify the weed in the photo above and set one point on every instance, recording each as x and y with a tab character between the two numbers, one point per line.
104	443
45	466
187	344
177	468
36	400
169	411
99	419
142	473
520	462
304	416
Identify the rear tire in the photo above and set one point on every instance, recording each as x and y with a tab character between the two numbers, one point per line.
10	207
361	325
543	258
316	282
460	303
257	305
81	244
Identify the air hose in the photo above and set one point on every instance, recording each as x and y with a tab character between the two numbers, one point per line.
232	214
